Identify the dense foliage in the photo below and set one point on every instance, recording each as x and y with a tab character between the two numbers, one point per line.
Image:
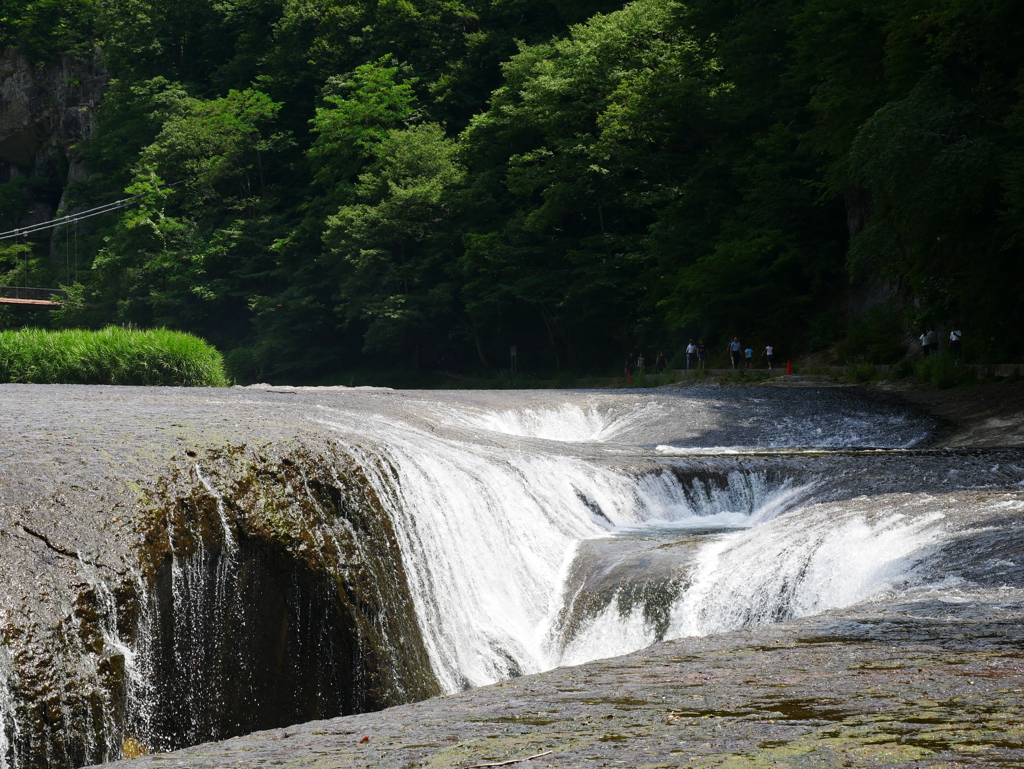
331	184
113	355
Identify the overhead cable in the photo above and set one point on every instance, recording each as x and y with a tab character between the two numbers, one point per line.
71	218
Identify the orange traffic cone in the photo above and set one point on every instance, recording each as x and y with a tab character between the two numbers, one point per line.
789	368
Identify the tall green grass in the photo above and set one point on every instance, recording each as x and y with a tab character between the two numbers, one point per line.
118	356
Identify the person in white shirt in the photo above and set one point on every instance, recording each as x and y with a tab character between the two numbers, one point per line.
955	337
769	352
691	355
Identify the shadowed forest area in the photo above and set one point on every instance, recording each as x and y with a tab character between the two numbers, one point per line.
332	185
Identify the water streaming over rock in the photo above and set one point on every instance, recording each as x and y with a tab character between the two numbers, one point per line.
434	542
498	510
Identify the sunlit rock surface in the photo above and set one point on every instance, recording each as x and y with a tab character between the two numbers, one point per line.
185	565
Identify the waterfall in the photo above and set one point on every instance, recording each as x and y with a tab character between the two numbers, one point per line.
819	558
566	423
391	539
489	531
119	655
202	584
491	508
485	538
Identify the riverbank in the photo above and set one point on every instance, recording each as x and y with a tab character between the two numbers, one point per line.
980	416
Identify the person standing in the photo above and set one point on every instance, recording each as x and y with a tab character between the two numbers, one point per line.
769	352
749	354
735	349
955	337
628	370
640	363
691	355
932	341
661	362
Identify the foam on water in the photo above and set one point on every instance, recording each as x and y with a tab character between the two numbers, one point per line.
820	558
610	633
488	531
568	423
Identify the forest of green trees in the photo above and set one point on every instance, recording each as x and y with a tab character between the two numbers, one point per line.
341	185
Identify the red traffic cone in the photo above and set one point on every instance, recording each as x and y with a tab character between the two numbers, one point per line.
789	368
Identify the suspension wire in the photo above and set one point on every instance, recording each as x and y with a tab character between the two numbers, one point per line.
33	228
76	217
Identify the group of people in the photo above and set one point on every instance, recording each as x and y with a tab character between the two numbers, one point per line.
738	353
637	364
930	342
697	357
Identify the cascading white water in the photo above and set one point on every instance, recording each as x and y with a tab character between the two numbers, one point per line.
565	423
137	685
200	613
484	535
825	557
488	532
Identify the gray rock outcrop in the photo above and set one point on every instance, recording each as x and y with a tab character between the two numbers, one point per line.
46	114
175	573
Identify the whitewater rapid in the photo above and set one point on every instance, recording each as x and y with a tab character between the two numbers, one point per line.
715	512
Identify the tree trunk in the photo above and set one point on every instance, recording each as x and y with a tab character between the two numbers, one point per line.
477	340
544	316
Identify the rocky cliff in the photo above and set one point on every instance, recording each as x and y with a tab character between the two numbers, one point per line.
46	113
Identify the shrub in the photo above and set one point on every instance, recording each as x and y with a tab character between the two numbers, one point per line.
902	369
114	355
875	337
940	371
861	372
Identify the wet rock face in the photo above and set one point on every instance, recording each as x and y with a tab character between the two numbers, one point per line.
236	588
270	602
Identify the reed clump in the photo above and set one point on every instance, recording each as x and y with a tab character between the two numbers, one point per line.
114	355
